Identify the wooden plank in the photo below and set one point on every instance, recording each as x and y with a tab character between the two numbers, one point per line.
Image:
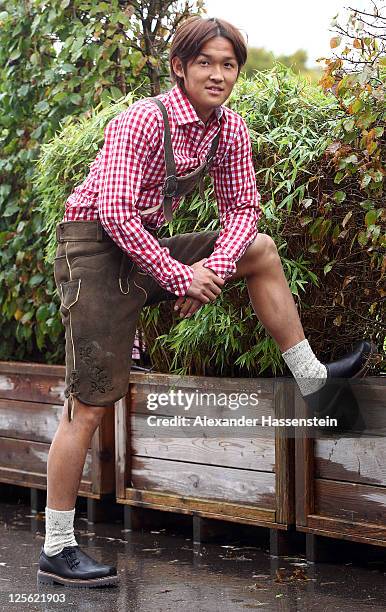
25	462
103	456
32	386
256	453
284	455
204	383
29	420
215	398
188	505
361	460
346	530
217	483
122	446
350	501
32	368
304	467
370	393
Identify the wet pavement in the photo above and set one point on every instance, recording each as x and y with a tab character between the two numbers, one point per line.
162	570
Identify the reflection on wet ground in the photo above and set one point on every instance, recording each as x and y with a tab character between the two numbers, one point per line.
162	571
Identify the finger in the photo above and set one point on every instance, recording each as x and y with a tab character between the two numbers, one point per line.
178	303
219	281
209	294
196	305
185	307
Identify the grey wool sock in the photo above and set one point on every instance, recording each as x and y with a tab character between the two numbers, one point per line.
59	531
309	373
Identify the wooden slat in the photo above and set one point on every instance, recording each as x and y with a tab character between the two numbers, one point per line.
257	406
347	530
23	460
361	460
217	483
204	383
350	501
32	386
255	453
29	368
370	393
304	467
189	505
122	446
29	420
285	454
103	456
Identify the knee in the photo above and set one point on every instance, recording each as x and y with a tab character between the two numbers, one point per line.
263	248
89	417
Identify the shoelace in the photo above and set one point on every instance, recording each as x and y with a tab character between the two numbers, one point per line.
69	556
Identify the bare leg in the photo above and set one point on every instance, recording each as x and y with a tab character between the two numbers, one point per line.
269	292
68	453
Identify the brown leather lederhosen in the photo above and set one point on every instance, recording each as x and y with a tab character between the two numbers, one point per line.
102	290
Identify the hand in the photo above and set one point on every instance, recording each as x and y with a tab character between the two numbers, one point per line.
206	285
188	306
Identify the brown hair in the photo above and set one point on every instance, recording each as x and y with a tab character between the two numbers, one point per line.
193	33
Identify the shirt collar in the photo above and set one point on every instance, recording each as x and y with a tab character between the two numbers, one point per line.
184	110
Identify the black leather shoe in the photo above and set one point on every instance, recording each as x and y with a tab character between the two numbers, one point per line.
74	568
336	399
354	364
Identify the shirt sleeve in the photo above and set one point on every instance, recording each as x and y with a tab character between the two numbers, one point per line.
238	204
129	139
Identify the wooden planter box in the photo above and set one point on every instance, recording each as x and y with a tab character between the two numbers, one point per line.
341	481
241	479
31	403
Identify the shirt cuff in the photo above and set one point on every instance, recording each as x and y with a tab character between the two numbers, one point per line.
221	265
181	280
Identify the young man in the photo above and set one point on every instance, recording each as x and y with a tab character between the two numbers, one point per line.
109	262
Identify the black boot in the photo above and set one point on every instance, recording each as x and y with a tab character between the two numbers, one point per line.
336	399
74	568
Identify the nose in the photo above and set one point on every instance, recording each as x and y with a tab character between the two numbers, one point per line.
216	74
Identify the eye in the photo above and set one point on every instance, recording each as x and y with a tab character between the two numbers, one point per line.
204	62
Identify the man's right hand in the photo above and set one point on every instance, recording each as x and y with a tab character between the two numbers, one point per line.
206	285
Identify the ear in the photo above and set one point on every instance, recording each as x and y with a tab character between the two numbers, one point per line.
177	67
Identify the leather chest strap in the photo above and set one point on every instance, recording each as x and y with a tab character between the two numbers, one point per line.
170	184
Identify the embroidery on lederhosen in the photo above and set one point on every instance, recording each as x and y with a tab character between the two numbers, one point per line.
99	378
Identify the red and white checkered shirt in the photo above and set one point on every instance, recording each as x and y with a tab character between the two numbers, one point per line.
126	178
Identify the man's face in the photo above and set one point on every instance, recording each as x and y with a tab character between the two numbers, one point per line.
210	77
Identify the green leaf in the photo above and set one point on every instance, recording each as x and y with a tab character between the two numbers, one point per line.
75	98
339	196
362	238
338	177
366	180
42	106
68	68
14	55
11	209
328	267
371	217
348	124
35	280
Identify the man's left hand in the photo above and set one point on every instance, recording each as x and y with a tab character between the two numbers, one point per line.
187	306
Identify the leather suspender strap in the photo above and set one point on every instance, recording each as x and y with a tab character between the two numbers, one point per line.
170	185
208	163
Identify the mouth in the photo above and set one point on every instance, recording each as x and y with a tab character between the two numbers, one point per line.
216	90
